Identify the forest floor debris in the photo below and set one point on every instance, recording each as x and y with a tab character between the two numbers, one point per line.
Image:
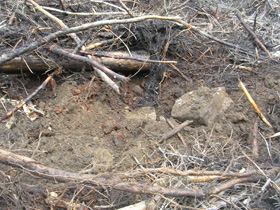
90	148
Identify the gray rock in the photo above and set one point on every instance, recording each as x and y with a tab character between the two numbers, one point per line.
202	106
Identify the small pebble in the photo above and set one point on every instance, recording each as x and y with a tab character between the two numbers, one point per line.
239	118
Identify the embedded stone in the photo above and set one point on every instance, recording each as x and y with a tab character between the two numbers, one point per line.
201	106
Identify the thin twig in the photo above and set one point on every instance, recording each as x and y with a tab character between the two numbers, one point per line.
32	46
109	4
179	135
125	8
89	61
251	32
174	131
225	201
83	13
37	147
178	70
43	85
254	104
273	184
55	19
268	146
255	148
142	167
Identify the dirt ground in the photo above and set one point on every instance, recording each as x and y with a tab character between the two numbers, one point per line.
85	127
106	133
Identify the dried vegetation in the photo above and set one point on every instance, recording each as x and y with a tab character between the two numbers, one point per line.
211	47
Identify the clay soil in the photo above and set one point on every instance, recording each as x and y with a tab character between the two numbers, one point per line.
85	127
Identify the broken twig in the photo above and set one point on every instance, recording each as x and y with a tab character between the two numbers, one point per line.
174	131
125	8
251	32
89	61
273	184
32	46
43	85
255	147
254	104
55	19
179	135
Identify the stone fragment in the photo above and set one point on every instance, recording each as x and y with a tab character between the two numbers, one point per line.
238	118
201	106
110	126
118	139
270	82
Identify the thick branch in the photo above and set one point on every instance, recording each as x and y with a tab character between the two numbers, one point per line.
107	180
117	61
32	46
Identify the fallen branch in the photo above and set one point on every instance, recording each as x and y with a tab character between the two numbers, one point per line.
115	180
32	46
105	180
117	61
98	67
89	61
